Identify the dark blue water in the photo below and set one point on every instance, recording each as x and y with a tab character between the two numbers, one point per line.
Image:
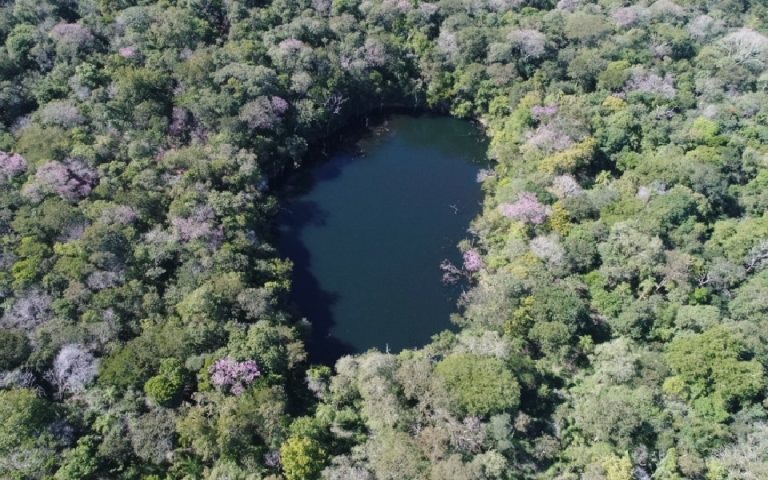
367	231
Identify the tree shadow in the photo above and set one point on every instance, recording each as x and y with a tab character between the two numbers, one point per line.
445	135
308	298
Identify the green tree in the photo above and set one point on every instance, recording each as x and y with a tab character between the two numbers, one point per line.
481	385
166	387
24	434
14	349
712	372
302	458
80	462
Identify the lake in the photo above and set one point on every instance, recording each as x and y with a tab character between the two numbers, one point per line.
368	228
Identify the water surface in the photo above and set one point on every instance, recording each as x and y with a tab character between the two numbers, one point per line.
368	228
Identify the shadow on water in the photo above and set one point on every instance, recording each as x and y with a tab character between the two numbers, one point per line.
381	268
307	295
454	138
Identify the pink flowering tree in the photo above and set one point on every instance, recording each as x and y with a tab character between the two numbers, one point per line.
530	43
291	54
11	165
472	263
526	209
232	376
127	52
541	112
448	43
119	215
548	138
201	224
263	112
564	186
71	180
626	16
650	82
71	38
375	52
704	27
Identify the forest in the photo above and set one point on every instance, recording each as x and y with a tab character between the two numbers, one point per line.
616	327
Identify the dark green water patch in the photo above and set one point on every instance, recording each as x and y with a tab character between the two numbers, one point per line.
368	228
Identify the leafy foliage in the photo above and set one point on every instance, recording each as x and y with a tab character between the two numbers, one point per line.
614	322
483	386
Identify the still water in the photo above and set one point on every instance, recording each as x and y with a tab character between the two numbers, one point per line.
368	228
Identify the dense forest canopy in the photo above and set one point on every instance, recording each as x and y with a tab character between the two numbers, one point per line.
617	324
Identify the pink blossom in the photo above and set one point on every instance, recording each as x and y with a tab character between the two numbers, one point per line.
71	180
200	224
625	16
272	459
544	111
290	45
11	165
119	214
531	43
233	376
526	209
70	37
279	105
704	26
375	52
263	112
652	83
565	186
473	262
127	52
549	249
428	9
549	139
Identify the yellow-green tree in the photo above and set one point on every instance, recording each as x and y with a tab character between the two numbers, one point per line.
302	458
